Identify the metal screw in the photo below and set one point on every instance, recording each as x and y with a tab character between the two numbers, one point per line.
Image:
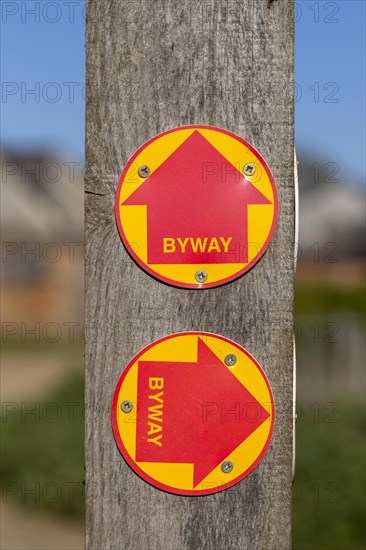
227	466
126	406
230	360
201	276
144	171
249	169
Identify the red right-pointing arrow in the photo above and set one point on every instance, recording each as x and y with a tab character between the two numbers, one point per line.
195	413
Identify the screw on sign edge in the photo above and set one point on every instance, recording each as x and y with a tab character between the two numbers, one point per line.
143	475
197	286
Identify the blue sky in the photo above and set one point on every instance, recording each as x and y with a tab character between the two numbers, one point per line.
330	51
44	51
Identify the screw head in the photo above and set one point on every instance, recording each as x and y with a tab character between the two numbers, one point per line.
230	360
201	276
227	466
126	406
144	171
249	169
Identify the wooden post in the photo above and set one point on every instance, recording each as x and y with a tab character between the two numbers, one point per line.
153	65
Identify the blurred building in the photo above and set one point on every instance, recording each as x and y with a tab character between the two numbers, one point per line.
41	238
333	214
332	243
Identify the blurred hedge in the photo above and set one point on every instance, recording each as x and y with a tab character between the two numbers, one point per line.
42	460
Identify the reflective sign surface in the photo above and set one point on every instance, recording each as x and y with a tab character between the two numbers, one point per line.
193	413
196	206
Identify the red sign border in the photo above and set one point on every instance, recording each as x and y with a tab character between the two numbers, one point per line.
167	280
144	475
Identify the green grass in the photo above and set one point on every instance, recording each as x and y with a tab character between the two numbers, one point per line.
318	299
30	346
42	454
329	489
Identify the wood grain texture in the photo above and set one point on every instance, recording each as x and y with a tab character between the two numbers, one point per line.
153	65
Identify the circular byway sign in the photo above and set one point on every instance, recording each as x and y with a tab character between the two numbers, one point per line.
196	206
193	413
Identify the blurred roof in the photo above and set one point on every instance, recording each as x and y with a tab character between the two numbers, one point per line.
333	213
41	198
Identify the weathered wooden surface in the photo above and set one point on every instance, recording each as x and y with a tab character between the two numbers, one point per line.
153	65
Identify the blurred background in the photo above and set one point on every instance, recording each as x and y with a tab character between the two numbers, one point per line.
42	130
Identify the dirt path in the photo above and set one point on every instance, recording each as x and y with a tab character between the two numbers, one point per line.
21	529
24	377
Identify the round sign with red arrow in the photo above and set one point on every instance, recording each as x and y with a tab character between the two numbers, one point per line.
193	413
196	206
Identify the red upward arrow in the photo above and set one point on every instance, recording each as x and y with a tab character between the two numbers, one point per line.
198	412
196	193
